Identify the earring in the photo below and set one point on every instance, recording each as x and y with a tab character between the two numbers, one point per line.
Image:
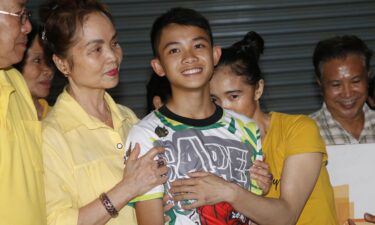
64	71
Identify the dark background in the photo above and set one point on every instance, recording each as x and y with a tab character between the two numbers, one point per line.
291	29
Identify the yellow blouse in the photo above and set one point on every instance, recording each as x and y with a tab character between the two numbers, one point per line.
45	107
22	200
83	158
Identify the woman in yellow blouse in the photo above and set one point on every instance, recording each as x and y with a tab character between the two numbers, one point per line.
85	132
36	72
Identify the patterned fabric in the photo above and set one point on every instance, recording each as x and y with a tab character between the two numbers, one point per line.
225	144
334	134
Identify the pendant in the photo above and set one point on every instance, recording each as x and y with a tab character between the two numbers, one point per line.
161	131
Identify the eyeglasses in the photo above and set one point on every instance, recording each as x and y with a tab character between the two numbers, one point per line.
24	15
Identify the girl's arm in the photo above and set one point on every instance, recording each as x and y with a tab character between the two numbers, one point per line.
299	176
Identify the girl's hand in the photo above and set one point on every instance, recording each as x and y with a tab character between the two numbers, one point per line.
260	172
204	188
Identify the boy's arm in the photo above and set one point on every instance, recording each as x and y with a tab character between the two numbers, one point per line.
145	139
150	212
149	207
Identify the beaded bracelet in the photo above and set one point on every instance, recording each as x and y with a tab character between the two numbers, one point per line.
108	205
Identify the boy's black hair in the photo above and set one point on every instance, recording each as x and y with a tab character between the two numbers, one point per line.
181	16
340	47
157	86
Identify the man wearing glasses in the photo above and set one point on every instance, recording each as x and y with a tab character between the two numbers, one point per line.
21	170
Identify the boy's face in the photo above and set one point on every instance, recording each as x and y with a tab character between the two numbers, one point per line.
186	56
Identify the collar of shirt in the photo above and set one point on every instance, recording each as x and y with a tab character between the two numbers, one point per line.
329	120
72	115
334	128
369	120
4	81
333	132
45	106
11	80
6	89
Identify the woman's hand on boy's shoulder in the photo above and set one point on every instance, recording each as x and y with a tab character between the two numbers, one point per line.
144	173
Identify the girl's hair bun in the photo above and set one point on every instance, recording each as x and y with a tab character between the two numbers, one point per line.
252	45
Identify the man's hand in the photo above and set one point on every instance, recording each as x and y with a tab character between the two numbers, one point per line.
368	217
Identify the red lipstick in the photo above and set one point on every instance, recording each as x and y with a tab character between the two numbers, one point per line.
113	72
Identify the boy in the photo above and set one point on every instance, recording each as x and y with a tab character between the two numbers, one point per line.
196	134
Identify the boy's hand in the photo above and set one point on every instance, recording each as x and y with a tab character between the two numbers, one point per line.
166	207
260	172
144	173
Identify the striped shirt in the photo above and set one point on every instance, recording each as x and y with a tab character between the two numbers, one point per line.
334	134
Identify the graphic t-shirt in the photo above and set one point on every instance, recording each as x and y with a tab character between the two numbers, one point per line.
225	144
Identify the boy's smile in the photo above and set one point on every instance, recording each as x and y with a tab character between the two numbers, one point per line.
192	71
186	56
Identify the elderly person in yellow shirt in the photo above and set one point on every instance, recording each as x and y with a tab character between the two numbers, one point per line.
85	132
22	199
36	72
